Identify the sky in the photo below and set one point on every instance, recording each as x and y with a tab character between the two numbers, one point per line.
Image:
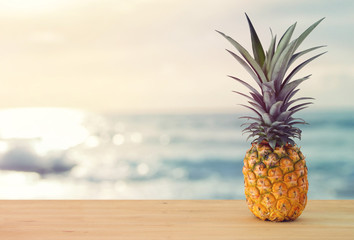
159	55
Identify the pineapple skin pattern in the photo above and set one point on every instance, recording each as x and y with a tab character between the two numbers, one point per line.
275	182
275	172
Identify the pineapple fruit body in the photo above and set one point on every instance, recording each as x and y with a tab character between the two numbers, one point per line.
274	169
275	181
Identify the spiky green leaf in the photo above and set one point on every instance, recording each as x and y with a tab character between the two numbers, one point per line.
242	94
297	122
283	42
283	116
251	108
288	88
285	106
270	53
246	66
253	118
290	96
302	37
257	106
299	67
300	105
274	121
275	109
257	48
258	70
299	54
281	65
247	85
267	118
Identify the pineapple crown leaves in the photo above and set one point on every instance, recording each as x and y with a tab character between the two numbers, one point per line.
272	103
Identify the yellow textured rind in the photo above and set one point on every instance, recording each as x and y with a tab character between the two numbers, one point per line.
275	182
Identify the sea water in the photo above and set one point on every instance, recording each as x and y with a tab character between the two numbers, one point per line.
69	154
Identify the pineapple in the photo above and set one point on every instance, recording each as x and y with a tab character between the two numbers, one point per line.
275	172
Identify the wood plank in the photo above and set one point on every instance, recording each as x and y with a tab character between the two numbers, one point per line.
175	219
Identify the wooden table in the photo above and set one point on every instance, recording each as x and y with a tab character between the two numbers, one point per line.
157	219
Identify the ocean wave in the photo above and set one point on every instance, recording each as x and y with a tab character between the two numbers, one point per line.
125	154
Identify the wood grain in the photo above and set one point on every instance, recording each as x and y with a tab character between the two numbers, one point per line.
157	219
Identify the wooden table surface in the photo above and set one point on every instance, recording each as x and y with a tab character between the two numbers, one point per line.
157	219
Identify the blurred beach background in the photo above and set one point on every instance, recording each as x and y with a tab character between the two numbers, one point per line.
130	99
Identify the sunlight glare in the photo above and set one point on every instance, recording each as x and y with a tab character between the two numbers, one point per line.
49	128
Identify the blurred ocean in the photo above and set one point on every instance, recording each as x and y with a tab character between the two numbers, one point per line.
48	153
